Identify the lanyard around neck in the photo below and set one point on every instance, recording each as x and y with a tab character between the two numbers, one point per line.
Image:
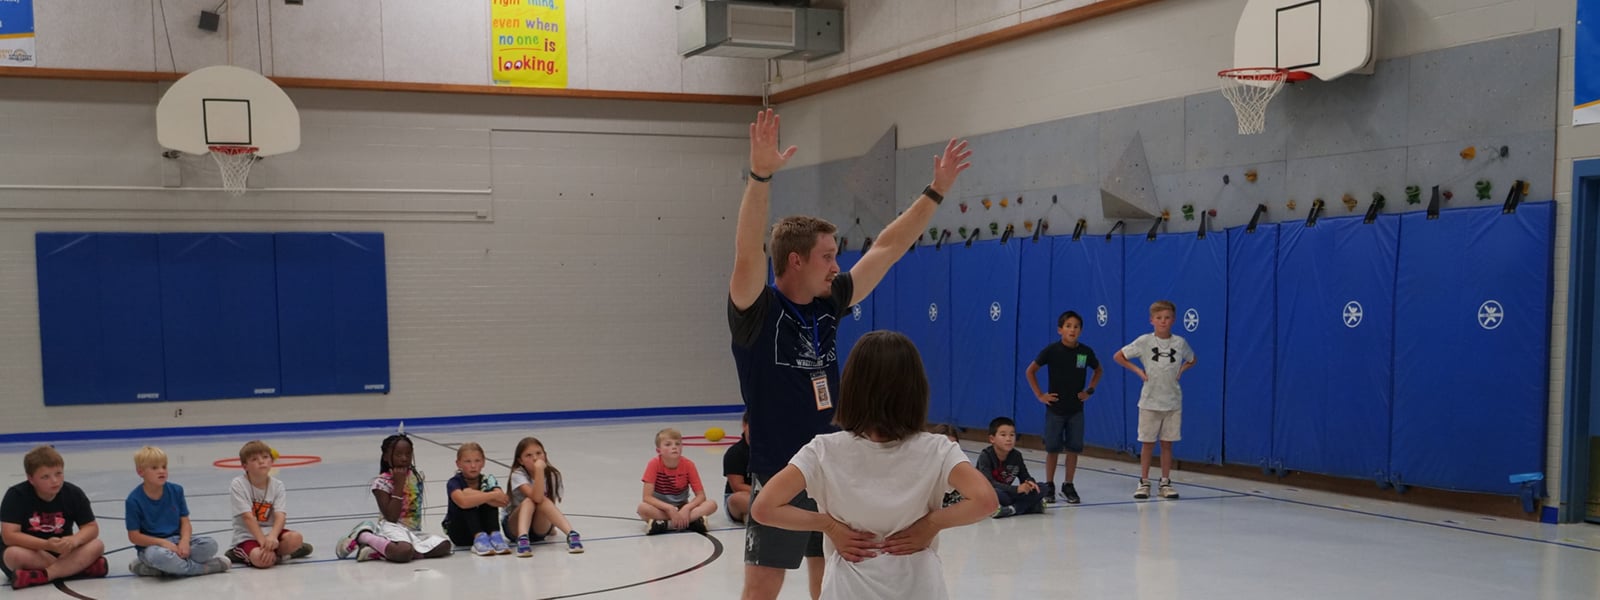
811	325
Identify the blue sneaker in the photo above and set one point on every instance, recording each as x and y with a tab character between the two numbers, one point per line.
481	545
498	542
524	549
574	543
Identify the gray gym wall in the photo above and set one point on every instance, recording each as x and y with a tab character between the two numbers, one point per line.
1404	125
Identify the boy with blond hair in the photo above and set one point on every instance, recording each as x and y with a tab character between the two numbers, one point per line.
36	522
259	503
668	479
1165	357
157	516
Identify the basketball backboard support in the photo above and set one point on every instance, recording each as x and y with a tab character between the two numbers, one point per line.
1326	39
227	106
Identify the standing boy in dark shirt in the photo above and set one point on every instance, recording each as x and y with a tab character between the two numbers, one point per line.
1068	362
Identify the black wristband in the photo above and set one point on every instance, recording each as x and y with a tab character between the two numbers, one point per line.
759	178
933	195
1088	391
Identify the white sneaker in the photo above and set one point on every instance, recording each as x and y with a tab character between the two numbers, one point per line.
1143	491
1167	491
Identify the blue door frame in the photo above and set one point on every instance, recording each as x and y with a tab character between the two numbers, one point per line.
1582	362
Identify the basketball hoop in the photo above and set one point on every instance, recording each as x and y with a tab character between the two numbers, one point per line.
235	162
1250	89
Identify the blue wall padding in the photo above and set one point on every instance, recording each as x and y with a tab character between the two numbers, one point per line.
1472	339
1250	371
333	313
99	317
856	322
983	336
220	304
1036	328
1192	273
1335	346
1087	278
922	312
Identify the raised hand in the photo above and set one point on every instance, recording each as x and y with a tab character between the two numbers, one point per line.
765	159
949	165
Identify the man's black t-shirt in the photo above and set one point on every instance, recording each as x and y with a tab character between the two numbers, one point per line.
778	345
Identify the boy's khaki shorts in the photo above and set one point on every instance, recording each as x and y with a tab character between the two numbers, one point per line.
1160	425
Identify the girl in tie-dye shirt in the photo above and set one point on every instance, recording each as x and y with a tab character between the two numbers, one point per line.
398	537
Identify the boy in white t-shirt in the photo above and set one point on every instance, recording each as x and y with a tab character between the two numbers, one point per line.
259	501
1165	357
881	540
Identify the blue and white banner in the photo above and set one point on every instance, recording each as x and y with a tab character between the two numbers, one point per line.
1586	65
16	33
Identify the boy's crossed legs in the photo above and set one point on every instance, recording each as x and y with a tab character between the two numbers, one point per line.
21	564
202	559
661	522
251	552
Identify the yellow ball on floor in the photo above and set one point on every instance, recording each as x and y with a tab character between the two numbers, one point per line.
714	434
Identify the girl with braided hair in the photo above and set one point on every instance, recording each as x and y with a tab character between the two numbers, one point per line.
398	536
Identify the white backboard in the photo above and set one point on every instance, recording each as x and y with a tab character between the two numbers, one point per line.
1325	38
227	106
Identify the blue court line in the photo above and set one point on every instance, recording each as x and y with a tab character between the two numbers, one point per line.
1337	508
390	424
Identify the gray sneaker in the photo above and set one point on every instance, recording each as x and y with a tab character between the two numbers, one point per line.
1167	491
137	567
216	565
1005	511
1143	491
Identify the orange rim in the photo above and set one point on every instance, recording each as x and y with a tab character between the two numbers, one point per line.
1264	74
234	149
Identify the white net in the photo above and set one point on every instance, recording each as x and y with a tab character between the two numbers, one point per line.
1250	91
235	162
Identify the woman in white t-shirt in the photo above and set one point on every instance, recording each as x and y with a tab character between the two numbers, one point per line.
879	483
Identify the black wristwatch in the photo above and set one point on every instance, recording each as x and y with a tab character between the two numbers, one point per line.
1088	391
759	178
933	194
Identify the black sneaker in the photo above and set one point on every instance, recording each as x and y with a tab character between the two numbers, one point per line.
656	528
1070	493
1049	489
699	525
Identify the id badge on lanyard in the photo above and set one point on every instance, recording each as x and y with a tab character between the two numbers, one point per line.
819	385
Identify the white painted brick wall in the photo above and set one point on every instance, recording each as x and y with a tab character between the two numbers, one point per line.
611	44
597	282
